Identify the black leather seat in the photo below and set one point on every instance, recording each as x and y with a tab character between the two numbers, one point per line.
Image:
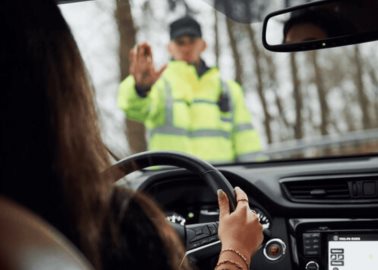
28	243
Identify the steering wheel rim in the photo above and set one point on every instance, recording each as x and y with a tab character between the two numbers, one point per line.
213	177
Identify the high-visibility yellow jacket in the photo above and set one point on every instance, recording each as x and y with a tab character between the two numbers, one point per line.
202	116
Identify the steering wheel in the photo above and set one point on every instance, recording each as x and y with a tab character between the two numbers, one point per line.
201	239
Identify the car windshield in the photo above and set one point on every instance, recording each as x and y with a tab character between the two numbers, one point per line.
299	105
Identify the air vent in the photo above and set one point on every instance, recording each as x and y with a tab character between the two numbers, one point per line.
332	188
318	189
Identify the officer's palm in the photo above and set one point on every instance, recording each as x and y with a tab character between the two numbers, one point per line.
142	67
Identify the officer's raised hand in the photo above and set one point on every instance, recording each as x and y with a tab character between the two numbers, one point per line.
142	68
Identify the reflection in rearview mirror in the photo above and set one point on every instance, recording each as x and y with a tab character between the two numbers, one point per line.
321	24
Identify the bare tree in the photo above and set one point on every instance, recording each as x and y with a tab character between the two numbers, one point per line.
260	84
322	93
298	127
231	29
374	80
361	91
348	115
216	37
135	131
271	70
127	34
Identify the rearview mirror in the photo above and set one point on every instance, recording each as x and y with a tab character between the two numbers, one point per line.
321	24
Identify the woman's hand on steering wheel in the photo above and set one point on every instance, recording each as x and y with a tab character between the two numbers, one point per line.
239	230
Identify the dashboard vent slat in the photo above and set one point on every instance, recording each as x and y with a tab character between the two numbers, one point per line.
325	189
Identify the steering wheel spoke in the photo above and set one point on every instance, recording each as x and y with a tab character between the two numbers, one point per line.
202	234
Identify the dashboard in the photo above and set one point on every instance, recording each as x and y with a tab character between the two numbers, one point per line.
319	213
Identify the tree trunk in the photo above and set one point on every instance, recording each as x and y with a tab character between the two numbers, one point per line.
322	93
231	29
135	131
273	80
260	85
361	91
127	34
216	38
374	80
298	128
351	123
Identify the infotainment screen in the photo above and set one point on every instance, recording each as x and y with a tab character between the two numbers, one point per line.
353	252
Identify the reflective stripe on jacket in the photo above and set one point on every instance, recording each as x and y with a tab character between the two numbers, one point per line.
182	113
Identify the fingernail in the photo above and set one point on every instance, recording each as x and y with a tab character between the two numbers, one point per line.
220	193
237	188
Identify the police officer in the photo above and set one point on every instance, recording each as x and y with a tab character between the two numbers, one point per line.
186	106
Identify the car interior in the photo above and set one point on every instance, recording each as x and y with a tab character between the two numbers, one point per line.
28	242
318	211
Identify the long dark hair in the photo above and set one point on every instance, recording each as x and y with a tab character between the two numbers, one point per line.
51	153
142	239
50	150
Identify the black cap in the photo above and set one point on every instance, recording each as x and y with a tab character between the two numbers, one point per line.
186	26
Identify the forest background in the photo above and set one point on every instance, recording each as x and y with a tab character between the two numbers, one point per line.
296	99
